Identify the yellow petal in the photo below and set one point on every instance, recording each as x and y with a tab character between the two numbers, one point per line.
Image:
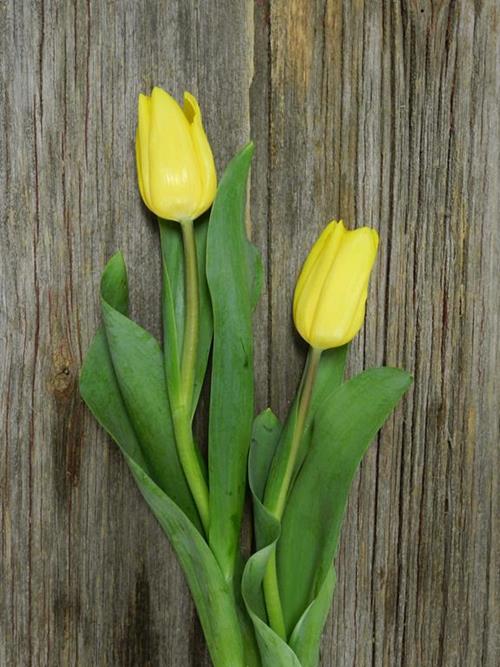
313	275
142	146
174	174
344	288
139	167
203	153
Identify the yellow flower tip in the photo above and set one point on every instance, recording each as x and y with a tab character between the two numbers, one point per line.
144	105
158	94
192	109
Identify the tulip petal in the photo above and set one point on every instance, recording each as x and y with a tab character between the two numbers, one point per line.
340	310
313	256
203	153
314	275
142	146
174	174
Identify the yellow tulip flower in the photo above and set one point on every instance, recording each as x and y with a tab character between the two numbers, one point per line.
330	296
175	165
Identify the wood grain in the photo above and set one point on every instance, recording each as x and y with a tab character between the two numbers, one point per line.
382	113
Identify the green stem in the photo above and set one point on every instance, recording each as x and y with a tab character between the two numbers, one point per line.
275	502
186	449
180	381
275	498
191	326
273	598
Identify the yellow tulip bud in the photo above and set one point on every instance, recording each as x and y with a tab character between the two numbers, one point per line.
175	165
330	296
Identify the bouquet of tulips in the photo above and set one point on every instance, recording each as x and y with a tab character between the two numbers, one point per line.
268	608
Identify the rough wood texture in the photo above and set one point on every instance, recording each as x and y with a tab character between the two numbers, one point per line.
383	113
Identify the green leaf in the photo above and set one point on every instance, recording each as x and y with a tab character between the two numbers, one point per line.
138	365
100	390
330	375
265	435
98	385
231	396
266	429
265	438
173	253
344	426
256	270
212	594
273	650
306	636
114	283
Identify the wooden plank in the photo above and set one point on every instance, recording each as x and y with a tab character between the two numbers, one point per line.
88	577
385	114
381	113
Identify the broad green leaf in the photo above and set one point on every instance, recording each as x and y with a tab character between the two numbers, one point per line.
173	258
212	594
265	434
344	426
98	385
99	389
138	364
265	437
114	283
252	652
306	636
231	395
273	650
256	270
251	649
330	375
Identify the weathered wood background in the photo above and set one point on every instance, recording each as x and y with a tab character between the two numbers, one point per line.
383	113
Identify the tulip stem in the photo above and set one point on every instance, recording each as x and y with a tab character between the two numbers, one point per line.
276	495
180	380
191	325
190	462
277	491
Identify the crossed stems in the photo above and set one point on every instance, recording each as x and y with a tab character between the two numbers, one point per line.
181	394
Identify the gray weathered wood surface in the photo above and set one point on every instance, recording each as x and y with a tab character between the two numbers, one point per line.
383	113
